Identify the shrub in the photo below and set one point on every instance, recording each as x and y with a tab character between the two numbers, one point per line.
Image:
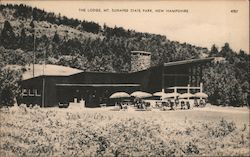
223	128
53	132
9	89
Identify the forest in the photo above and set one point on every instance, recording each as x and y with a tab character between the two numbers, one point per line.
88	46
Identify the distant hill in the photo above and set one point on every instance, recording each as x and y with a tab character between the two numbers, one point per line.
91	46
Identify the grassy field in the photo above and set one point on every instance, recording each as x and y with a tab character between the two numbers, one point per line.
212	131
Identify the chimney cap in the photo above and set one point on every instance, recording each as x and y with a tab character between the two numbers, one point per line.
141	52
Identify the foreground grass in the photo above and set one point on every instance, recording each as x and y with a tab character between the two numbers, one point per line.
55	132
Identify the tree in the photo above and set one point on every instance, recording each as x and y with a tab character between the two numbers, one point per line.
227	52
214	51
8	38
90	27
56	38
222	86
34	14
22	40
32	25
9	89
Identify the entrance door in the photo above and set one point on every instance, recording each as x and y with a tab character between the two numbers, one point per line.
93	99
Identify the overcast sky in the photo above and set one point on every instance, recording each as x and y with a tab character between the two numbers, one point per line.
206	23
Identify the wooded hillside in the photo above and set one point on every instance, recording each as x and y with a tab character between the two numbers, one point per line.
84	45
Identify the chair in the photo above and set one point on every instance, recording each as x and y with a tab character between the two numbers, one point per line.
103	105
188	104
202	103
158	104
196	104
182	105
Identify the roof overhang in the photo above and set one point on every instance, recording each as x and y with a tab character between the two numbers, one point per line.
98	85
191	61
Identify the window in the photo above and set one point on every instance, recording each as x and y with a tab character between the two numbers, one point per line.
24	92
36	92
30	93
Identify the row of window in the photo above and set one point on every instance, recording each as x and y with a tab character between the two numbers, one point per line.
30	92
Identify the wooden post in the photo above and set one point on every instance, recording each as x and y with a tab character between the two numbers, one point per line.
163	80
201	87
201	73
34	49
175	91
196	76
191	81
162	90
43	92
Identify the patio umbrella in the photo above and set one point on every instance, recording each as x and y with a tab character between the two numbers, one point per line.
186	95
140	94
119	95
160	94
201	95
171	95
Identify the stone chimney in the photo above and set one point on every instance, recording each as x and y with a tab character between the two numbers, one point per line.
140	60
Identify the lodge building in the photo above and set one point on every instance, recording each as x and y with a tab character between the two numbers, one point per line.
96	87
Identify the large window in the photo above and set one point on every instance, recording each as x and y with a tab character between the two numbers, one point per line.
182	75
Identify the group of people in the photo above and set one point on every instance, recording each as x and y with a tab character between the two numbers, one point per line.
140	104
200	103
122	105
184	104
170	103
137	103
174	103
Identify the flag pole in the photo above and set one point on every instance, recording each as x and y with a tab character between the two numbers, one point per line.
34	49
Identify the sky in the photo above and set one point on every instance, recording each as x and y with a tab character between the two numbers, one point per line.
205	23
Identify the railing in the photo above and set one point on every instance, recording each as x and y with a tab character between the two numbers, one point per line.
176	88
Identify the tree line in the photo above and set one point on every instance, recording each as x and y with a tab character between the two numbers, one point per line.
111	50
227	82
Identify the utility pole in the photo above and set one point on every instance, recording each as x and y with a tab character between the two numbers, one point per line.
43	95
44	64
32	25
163	79
34	49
